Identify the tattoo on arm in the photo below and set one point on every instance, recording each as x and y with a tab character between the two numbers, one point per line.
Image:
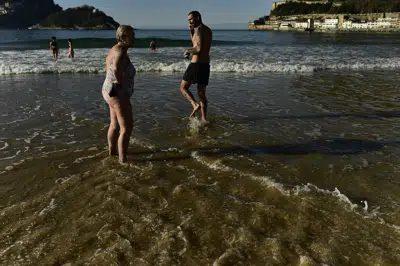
196	39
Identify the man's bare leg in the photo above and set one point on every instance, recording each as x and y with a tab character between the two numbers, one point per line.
113	132
188	95
201	91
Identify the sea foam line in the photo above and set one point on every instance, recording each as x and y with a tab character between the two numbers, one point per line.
269	182
217	66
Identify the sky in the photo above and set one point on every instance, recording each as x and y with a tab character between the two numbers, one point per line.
172	14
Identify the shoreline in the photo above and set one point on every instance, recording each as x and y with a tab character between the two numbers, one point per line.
61	28
377	30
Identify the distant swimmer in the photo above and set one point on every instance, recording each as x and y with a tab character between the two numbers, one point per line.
54	47
153	45
198	70
70	49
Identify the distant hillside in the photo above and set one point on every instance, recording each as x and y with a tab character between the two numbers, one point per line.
24	13
346	7
84	17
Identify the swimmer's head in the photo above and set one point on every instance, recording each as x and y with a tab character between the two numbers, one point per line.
125	35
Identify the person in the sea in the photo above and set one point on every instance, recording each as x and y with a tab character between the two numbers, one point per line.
198	70
153	45
117	91
70	49
54	47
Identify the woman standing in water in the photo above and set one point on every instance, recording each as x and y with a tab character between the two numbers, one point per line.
70	49
54	47
117	91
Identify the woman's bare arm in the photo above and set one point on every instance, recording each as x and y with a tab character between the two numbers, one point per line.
118	66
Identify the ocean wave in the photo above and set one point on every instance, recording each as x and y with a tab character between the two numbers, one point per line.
219	66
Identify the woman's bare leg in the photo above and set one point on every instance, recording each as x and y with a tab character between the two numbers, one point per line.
113	133
123	110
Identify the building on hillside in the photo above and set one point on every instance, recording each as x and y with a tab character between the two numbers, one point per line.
330	23
387	19
348	24
301	25
359	25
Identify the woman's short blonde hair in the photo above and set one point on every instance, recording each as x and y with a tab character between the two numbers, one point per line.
122	31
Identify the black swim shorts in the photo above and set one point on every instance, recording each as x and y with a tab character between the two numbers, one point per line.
197	73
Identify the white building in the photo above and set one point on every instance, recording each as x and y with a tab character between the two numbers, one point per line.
360	26
384	24
387	19
348	24
317	24
372	24
330	23
395	24
301	25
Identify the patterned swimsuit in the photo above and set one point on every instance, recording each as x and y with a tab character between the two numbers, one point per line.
128	81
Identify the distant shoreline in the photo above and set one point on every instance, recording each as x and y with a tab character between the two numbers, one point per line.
380	30
72	28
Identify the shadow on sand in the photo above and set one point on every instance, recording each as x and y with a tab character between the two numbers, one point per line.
388	114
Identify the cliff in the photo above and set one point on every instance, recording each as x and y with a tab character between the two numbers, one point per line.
24	13
84	17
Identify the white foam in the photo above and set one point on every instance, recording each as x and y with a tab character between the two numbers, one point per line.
50	152
172	150
73	117
28	140
81	159
18	163
15	121
241	60
335	193
142	142
4	251
316	132
195	125
217	165
365	205
4	147
8	158
49	207
65	179
62	166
